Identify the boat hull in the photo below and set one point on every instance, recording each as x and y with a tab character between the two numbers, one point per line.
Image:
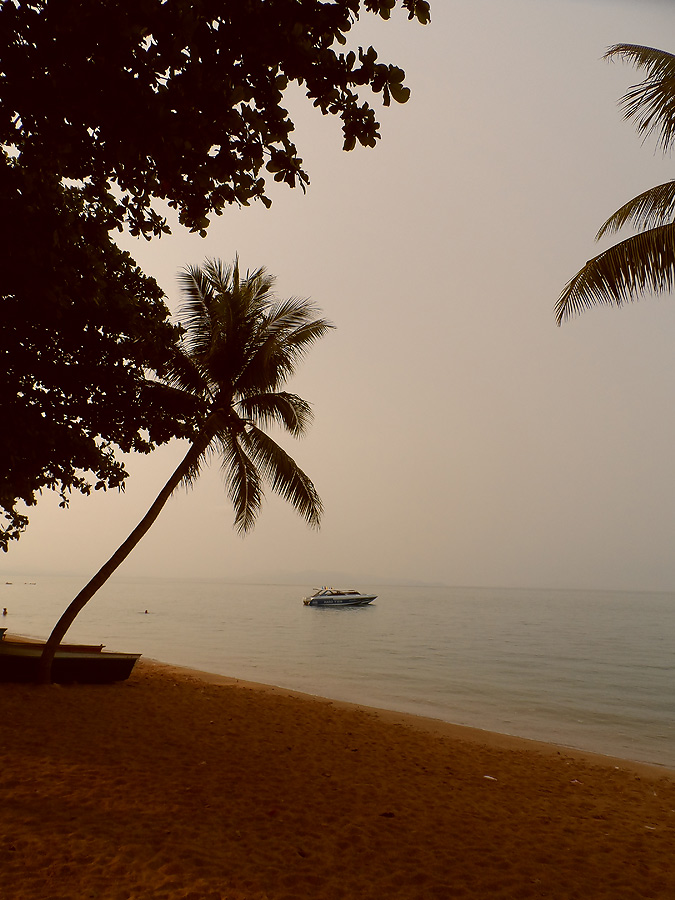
20	662
336	601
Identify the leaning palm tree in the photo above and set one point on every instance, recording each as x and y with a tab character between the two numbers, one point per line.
646	260
240	346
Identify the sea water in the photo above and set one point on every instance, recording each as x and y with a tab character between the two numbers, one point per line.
585	669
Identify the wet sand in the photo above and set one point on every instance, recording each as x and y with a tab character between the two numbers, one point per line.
181	786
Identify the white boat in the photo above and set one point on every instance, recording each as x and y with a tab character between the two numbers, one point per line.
334	597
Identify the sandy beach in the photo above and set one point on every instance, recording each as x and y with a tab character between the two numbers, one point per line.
181	786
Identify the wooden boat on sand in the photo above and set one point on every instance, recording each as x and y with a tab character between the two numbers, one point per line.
84	663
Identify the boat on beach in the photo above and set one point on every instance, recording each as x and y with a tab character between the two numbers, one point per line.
333	597
84	663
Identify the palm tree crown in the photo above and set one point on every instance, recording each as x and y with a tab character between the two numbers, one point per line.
240	346
646	260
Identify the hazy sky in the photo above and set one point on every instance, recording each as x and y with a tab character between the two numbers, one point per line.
460	436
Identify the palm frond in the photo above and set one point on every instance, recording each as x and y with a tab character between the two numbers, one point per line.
652	102
285	337
194	314
221	276
199	456
643	262
289	314
284	475
250	291
191	474
649	209
277	408
297	329
299	341
258	287
243	482
183	374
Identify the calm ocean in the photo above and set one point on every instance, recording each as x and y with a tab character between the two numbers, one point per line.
586	669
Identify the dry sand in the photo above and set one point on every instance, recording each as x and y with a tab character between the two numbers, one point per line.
172	786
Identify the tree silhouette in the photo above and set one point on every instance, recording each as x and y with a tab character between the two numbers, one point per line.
109	112
239	348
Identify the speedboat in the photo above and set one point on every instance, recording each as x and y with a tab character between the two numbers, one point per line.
334	597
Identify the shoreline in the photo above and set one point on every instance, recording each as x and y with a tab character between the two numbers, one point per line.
440	727
178	785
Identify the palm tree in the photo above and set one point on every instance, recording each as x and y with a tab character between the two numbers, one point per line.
646	260
240	346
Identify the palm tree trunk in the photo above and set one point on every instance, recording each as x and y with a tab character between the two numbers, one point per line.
104	573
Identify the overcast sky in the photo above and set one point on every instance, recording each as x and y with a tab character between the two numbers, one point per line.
460	436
